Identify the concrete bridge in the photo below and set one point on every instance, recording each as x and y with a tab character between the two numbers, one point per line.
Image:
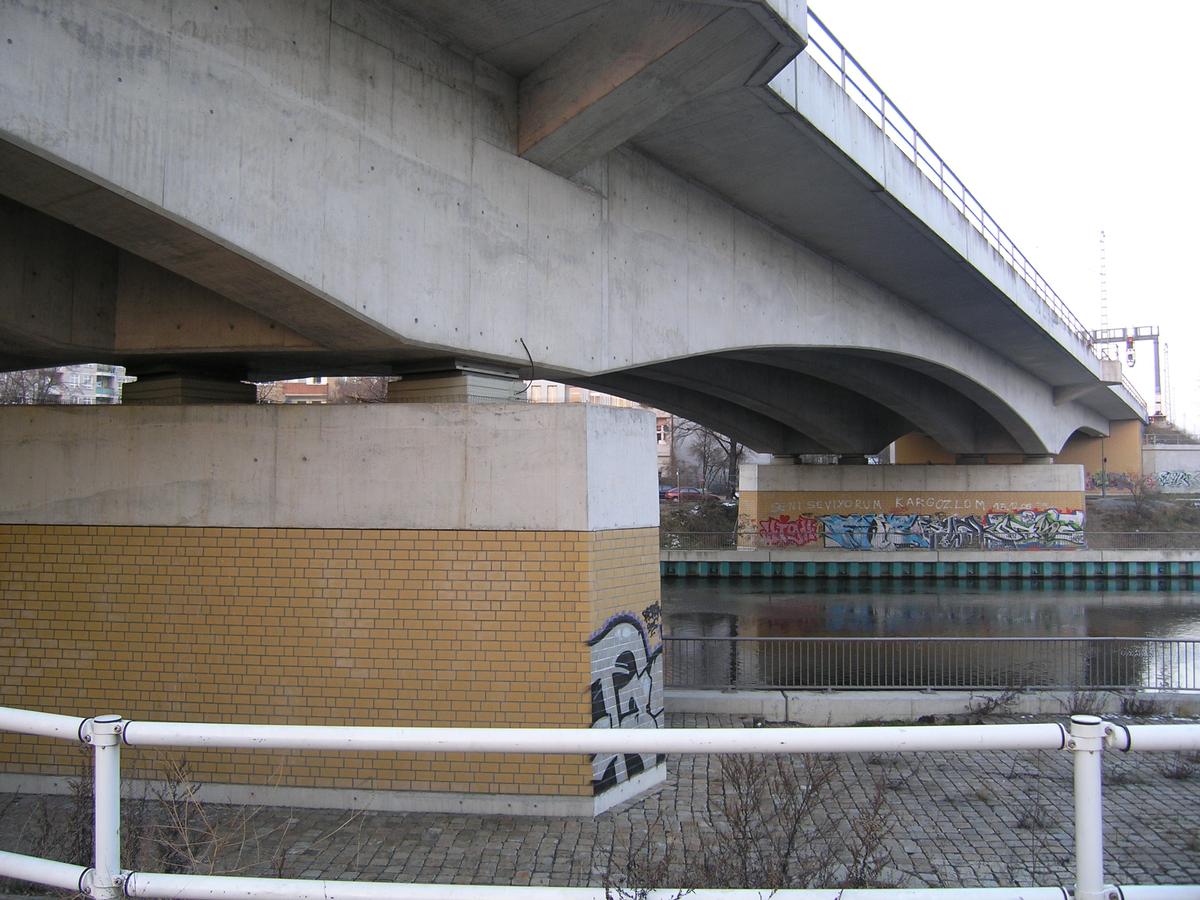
656	198
659	199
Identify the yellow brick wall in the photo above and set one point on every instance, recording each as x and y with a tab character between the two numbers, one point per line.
314	626
626	578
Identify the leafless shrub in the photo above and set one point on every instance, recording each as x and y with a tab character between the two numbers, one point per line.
172	830
765	824
866	844
648	864
995	704
1136	707
765	827
1178	767
1035	816
1082	702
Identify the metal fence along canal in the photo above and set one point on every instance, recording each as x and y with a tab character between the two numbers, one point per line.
1092	540
882	663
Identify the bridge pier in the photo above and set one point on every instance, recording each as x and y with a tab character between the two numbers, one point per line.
912	507
386	564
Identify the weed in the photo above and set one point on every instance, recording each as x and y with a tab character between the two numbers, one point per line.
994	704
649	863
766	828
1121	777
1143	707
1178	767
1035	816
1082	702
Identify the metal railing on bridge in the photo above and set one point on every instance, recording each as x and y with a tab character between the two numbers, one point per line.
836	61
1092	540
1086	739
930	663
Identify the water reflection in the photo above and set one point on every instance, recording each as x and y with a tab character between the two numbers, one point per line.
1081	611
765	607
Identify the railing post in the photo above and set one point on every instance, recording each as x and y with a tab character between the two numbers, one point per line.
106	741
1087	743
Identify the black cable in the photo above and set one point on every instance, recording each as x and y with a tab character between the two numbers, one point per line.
530	355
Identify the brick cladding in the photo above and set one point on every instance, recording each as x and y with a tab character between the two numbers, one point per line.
315	626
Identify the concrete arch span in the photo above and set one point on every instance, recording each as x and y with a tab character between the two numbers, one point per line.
835	400
962	416
746	427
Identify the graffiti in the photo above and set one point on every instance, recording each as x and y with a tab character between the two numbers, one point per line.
1119	481
1035	529
784	531
880	532
627	692
955	532
1044	529
1177	480
652	615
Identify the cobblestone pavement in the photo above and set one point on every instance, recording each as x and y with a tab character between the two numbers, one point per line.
953	819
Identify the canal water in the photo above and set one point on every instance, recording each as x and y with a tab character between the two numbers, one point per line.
701	615
772	607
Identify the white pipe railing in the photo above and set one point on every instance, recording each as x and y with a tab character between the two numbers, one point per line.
1087	738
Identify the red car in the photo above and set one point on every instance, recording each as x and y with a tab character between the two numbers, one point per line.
693	494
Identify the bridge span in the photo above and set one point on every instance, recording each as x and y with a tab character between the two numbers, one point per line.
706	206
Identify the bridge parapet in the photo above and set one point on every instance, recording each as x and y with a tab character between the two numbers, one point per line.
831	56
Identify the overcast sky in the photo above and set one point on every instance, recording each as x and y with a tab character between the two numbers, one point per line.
1064	118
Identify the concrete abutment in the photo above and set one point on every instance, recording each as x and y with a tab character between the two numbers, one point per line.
391	564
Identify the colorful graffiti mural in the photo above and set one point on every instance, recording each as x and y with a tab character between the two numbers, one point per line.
627	692
1111	481
784	531
1045	529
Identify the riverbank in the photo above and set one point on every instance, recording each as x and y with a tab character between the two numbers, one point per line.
956	564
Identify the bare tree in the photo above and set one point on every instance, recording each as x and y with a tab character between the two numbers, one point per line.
358	389
716	455
269	392
29	386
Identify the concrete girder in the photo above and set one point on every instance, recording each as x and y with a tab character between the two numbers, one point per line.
55	190
635	65
75	296
755	431
946	415
358	183
838	419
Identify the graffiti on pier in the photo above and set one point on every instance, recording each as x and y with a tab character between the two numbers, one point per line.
1019	530
1031	528
1177	480
627	692
1112	481
784	531
652	616
955	532
879	532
